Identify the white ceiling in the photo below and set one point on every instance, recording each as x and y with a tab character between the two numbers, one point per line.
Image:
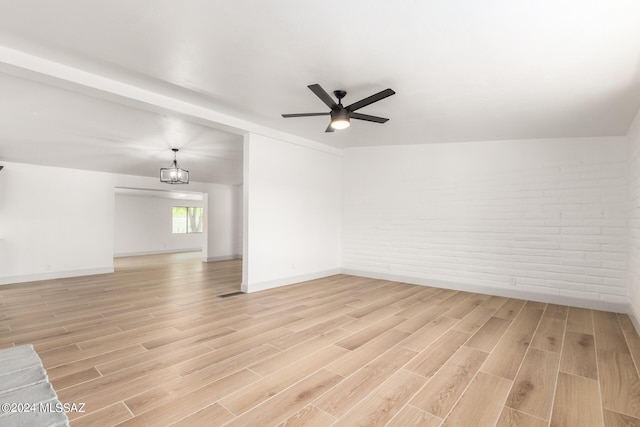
463	71
47	125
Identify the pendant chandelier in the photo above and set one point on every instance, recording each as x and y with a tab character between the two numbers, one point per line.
174	174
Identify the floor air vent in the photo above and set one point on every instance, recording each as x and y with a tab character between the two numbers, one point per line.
232	294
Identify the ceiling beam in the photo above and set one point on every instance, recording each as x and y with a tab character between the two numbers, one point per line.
25	65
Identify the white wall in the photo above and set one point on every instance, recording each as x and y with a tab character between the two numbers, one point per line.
221	225
542	219
238	192
54	222
634	220
292	199
223	220
143	225
57	222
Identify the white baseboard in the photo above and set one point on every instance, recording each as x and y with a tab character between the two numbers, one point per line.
635	318
163	251
221	258
54	275
618	307
261	286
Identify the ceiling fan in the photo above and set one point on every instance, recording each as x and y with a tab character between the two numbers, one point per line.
341	116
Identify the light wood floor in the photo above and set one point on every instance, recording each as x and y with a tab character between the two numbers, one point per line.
153	344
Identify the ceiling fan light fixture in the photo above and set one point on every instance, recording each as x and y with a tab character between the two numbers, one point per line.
340	119
341	116
174	174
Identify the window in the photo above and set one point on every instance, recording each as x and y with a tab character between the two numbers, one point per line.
186	220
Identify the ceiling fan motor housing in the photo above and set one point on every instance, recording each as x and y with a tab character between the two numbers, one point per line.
340	94
340	114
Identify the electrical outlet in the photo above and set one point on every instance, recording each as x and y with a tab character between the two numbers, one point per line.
512	281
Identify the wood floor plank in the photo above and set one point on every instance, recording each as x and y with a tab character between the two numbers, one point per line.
422	294
155	338
579	355
109	416
448	384
285	404
106	394
580	320
533	387
512	418
510	309
430	360
365	335
507	355
287	358
625	322
425	336
164	394
475	319
577	402
327	320
212	415
208	359
273	384
536	304
549	334
554	311
608	332
383	301
633	340
381	405
495	302
172	320
465	307
417	308
116	381
193	402
55	370
411	416
168	358
619	382
477	407
213	321
350	363
372	317
310	332
456	298
249	333
420	320
75	378
486	338
614	419
349	392
309	416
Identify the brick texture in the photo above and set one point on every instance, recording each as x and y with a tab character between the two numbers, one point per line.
543	216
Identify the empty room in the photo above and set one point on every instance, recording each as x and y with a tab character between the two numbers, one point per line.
288	213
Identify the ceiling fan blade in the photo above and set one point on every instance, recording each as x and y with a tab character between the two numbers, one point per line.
370	100
323	95
329	128
368	118
286	116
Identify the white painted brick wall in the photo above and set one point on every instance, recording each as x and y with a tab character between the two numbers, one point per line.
550	215
634	216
